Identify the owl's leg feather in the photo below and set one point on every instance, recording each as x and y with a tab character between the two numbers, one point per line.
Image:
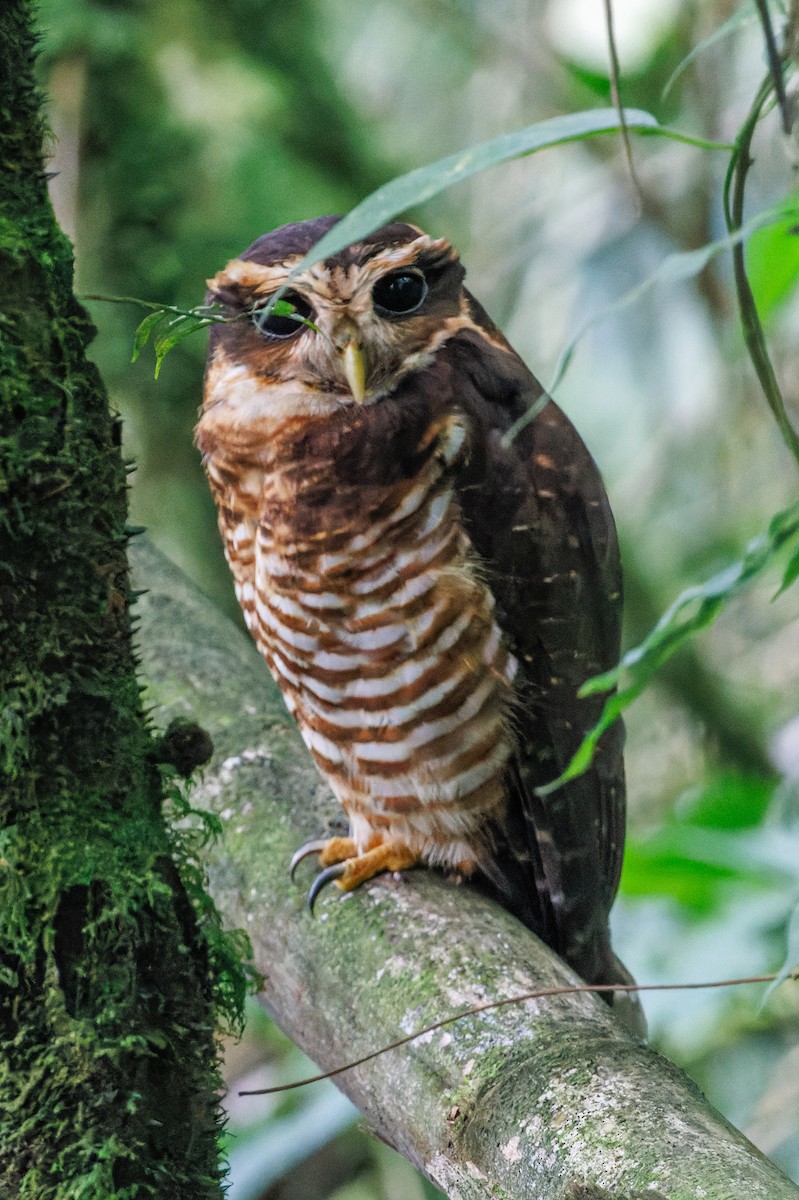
357	869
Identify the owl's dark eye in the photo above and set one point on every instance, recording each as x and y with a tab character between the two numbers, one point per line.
399	293
281	324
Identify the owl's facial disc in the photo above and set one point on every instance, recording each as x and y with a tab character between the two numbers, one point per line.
394	295
292	313
358	324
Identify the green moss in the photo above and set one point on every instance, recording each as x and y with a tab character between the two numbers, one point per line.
114	969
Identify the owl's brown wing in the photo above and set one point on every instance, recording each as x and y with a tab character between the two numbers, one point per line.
538	517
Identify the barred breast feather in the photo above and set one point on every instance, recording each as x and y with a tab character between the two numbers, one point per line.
364	598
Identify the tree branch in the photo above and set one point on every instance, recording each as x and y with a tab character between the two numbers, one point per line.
551	1099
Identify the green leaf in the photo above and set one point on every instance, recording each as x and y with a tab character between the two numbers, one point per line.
693	610
282	308
727	800
178	329
791	573
682	851
184	321
655	869
734	192
143	331
745	16
674	268
425	182
772	264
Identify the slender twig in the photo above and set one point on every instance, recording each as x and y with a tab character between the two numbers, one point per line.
734	190
775	64
490	1006
153	305
615	95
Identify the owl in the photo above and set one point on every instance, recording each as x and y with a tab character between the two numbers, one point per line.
428	592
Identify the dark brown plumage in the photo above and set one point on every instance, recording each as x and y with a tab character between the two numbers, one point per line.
429	598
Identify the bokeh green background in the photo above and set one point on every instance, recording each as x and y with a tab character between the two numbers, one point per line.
184	130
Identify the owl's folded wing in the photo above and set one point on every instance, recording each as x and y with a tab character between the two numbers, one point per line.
539	520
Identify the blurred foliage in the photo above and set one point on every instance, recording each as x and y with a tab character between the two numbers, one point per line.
194	127
186	130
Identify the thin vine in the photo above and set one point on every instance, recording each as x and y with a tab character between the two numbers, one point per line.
521	998
754	337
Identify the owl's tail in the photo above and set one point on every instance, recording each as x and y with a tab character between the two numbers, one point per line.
625	1004
589	953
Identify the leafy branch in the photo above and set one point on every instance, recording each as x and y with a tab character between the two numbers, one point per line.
698	606
693	610
423	183
674	268
167	324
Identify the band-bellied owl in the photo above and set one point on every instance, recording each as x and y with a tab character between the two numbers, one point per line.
429	596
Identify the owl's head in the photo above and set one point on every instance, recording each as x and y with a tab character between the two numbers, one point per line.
369	315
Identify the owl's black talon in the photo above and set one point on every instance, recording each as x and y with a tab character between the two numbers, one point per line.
313	846
322	880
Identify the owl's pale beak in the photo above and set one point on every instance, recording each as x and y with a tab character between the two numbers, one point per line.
354	363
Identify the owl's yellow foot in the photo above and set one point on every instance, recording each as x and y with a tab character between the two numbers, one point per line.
348	868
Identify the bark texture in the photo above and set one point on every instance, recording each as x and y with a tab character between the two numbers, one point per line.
107	1056
551	1100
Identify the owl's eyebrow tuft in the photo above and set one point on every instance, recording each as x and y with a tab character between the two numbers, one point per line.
227	297
243	283
434	261
232	293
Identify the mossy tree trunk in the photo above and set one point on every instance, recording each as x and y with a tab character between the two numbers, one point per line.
107	993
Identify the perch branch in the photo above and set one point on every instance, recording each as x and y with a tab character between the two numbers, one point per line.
551	1099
